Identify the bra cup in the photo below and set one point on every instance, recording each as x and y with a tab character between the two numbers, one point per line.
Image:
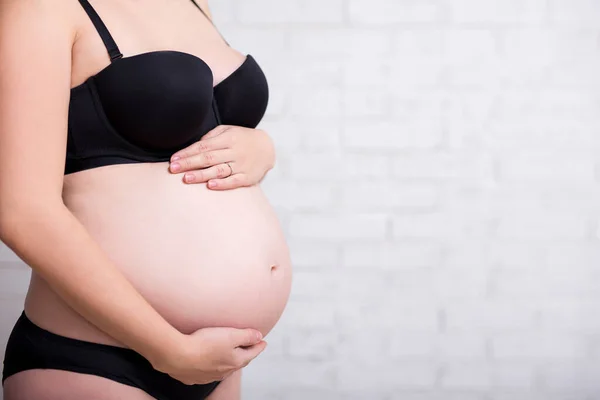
143	108
156	100
243	97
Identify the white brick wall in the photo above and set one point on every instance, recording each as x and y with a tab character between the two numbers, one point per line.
438	179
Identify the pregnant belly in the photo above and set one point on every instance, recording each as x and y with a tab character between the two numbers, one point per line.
200	257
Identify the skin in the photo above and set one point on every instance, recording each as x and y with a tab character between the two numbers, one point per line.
226	157
54	222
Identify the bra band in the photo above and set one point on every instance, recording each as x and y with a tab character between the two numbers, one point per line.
109	42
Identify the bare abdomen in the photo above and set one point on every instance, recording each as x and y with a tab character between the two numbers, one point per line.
200	257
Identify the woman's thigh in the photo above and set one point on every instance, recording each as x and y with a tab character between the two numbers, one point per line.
229	389
49	384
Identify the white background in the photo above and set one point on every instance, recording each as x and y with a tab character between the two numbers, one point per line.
438	179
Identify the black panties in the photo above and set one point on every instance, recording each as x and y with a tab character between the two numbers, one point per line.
31	347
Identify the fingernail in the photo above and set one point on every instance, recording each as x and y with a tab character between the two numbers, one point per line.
259	336
175	158
189	178
175	167
212	184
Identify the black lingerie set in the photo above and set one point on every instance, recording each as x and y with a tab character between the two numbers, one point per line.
140	108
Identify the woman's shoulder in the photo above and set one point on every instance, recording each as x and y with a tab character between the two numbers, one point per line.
31	17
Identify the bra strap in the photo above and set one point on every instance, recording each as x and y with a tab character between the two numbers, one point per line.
109	42
201	10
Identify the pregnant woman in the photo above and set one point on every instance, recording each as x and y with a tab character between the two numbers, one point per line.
129	182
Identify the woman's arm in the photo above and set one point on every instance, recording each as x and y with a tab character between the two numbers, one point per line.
36	38
35	52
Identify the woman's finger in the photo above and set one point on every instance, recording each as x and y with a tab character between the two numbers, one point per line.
245	355
202	160
216	131
212	142
231	182
203	175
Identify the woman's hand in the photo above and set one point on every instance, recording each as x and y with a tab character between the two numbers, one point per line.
226	157
210	354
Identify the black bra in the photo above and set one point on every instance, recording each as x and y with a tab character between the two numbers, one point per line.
145	107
